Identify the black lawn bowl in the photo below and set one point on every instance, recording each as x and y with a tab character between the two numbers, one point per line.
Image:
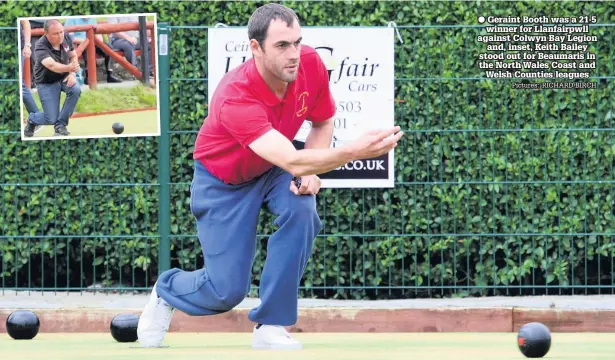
534	340
22	325
124	327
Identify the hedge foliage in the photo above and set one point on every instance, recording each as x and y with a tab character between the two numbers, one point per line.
497	188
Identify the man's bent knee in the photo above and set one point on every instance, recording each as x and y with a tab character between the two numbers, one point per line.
232	298
302	208
303	205
74	90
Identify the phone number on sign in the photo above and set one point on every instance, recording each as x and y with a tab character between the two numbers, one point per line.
340	122
349	106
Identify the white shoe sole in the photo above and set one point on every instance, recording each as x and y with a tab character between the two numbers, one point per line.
265	346
149	346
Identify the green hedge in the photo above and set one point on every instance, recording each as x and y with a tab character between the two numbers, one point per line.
450	227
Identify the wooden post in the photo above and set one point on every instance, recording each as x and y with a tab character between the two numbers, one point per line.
91	54
27	76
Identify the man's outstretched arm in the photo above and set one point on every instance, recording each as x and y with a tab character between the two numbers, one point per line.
278	150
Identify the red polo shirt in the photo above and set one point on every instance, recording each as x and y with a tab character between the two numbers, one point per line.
243	108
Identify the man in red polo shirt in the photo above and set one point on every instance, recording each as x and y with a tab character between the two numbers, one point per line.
244	158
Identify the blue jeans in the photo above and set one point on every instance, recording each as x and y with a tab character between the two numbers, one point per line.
227	218
50	99
28	99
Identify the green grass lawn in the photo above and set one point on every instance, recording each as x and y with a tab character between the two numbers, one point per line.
332	346
135	123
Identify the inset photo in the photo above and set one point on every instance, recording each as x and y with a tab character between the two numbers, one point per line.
91	76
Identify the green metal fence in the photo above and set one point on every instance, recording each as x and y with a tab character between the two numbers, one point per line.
498	191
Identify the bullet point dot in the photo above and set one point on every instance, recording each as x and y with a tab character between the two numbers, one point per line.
481	19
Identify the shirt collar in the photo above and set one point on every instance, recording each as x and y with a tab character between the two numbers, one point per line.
263	91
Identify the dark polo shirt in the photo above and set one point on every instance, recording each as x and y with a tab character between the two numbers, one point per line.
43	50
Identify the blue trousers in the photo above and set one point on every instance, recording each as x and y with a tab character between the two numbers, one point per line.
50	99
227	218
28	99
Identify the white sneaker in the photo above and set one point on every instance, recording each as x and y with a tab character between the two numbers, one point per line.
154	321
273	338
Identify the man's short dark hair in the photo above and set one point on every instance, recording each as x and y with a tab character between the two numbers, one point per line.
48	24
258	25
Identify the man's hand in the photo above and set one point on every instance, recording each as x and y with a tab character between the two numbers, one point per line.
70	80
27	52
308	185
74	64
374	143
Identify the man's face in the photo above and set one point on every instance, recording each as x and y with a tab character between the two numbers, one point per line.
281	50
55	35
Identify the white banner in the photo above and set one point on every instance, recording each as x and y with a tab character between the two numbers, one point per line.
362	79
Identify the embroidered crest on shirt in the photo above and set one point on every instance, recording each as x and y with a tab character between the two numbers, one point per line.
301	99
